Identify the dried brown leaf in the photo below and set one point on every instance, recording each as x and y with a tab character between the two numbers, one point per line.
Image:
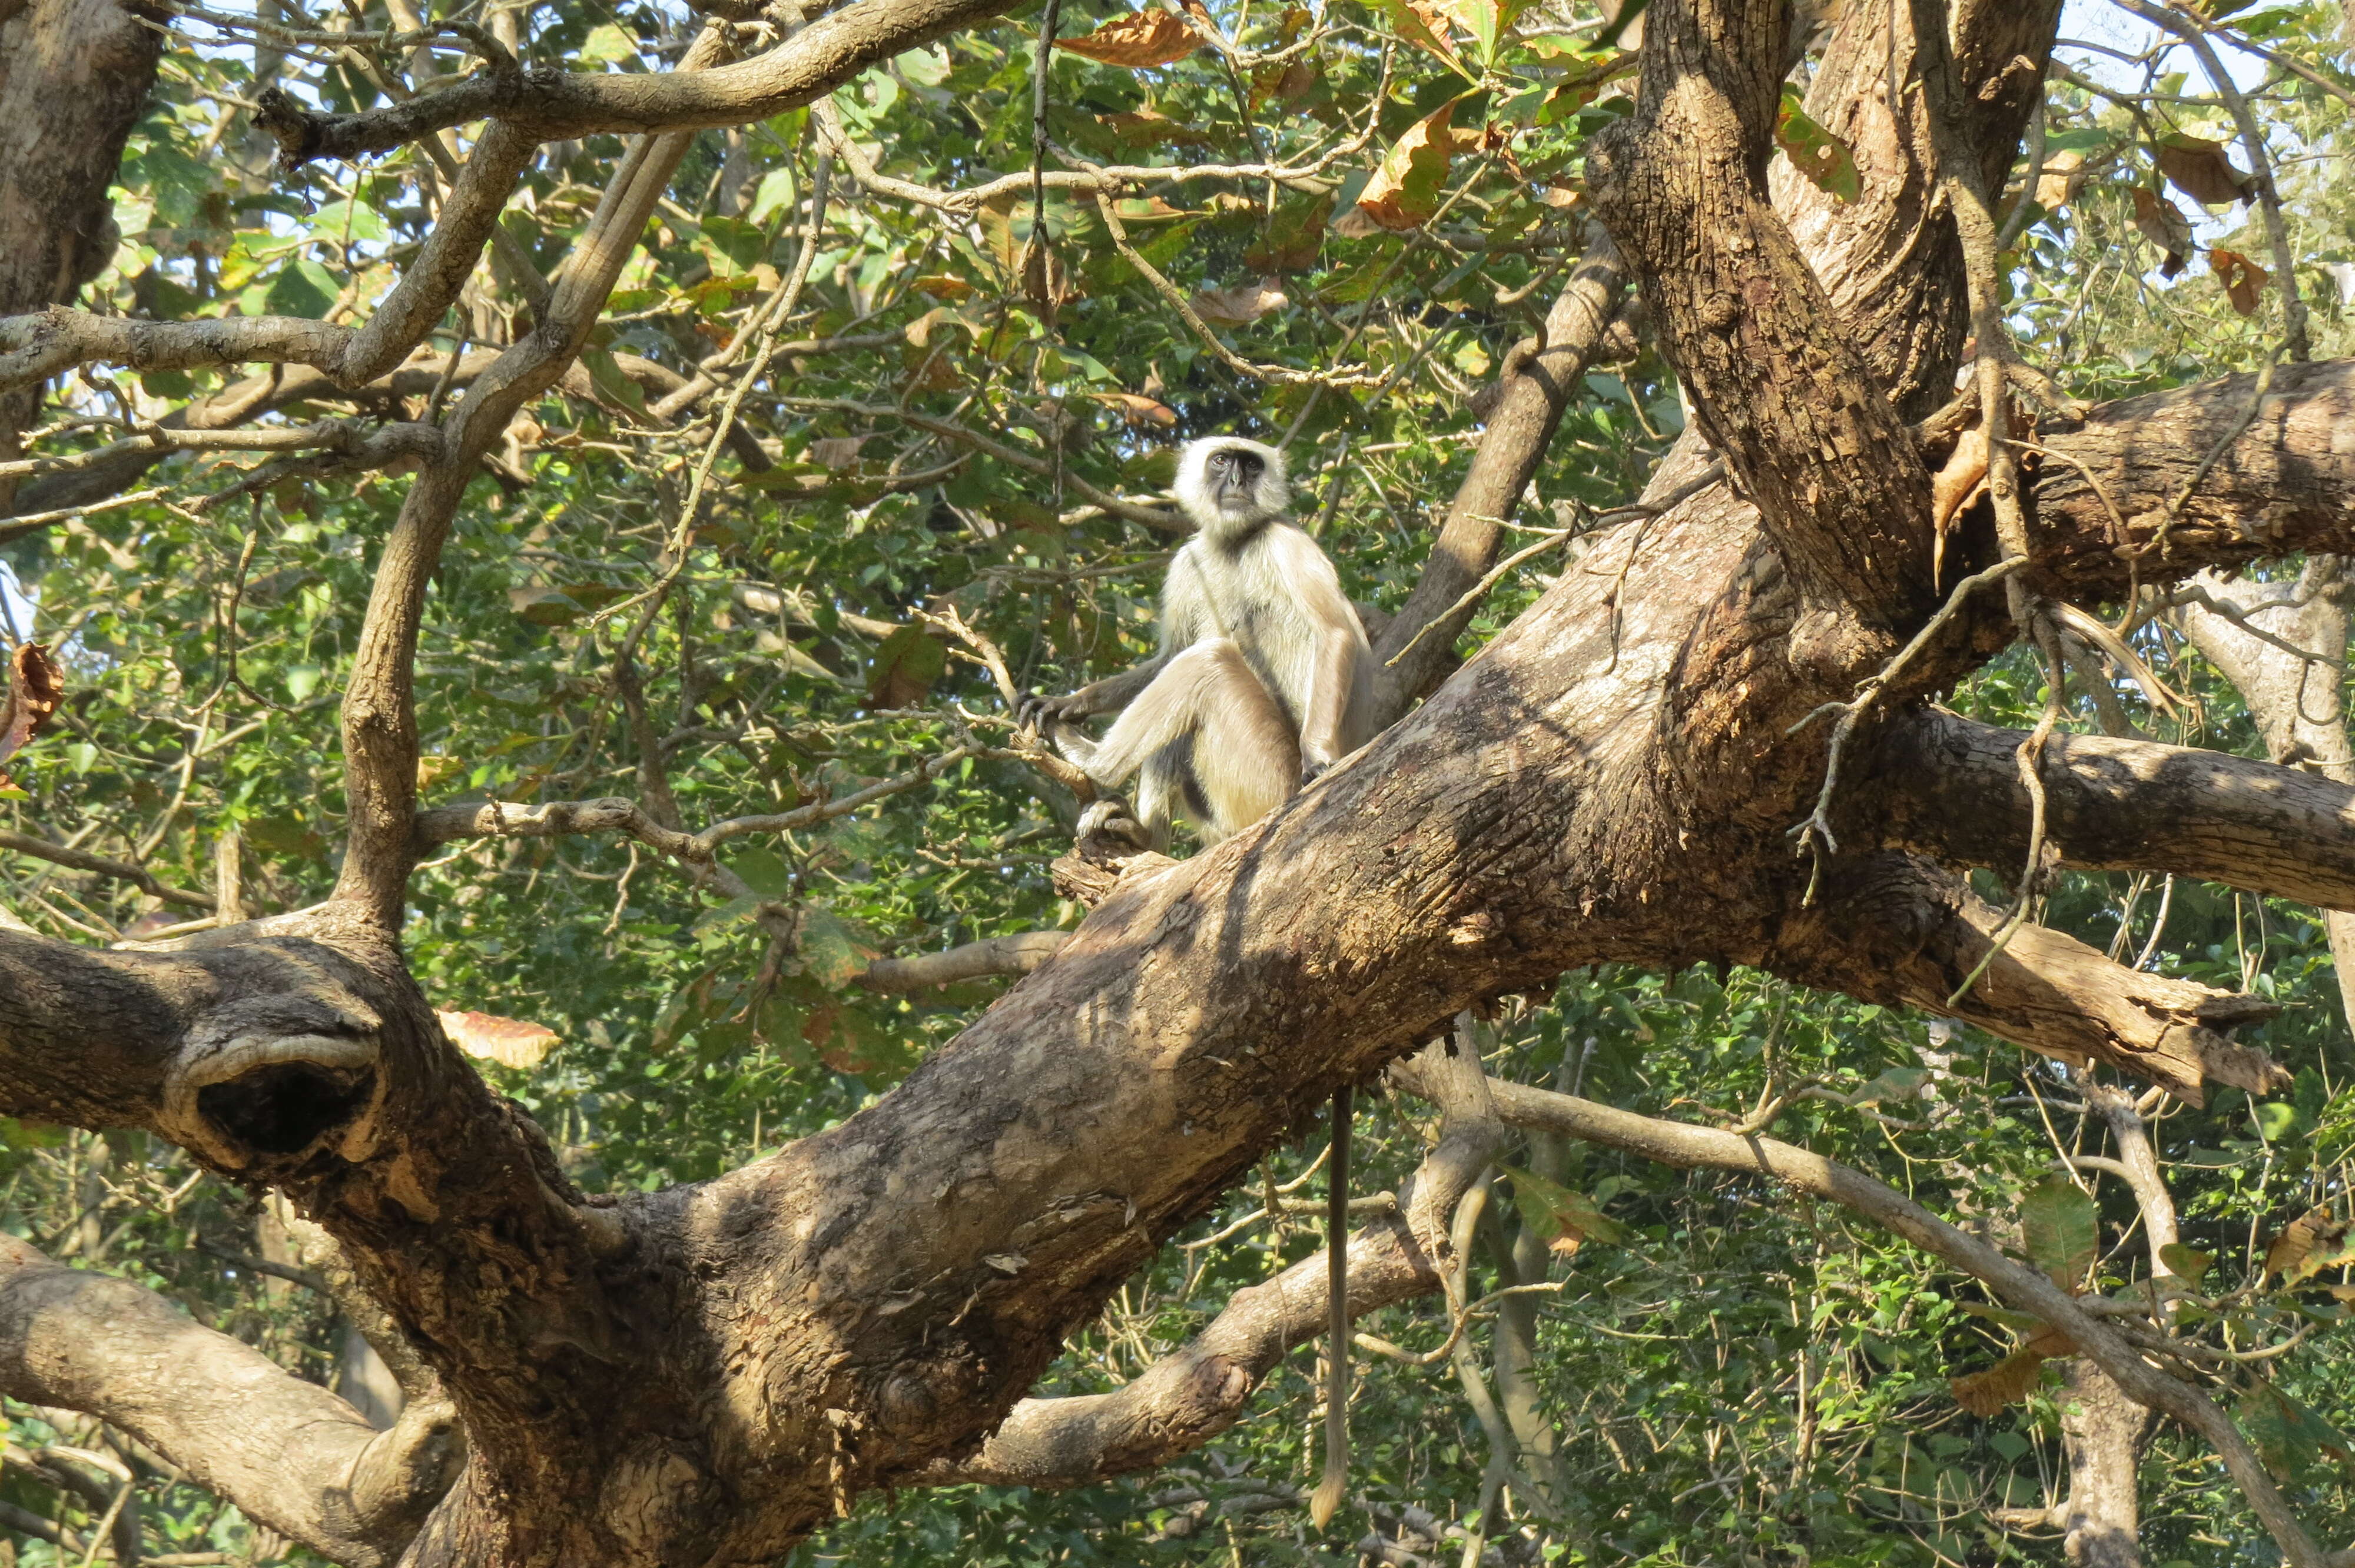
1139	40
2010	1380
2199	169
2244	281
1241	304
33	691
509	1041
1404	192
1138	411
836	451
2163	224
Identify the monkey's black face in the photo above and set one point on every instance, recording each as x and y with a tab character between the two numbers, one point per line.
1234	476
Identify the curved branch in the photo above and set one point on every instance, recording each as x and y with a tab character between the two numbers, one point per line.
1951	787
550	105
287	1453
35	347
1539	381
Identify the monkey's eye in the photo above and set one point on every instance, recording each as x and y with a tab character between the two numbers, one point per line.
1219	462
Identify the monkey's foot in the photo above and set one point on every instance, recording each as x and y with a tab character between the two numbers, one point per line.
1109	830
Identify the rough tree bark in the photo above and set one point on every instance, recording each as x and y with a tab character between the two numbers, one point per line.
74	76
705	1374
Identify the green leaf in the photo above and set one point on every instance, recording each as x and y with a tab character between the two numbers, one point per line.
610	43
831	948
302	288
2062	1230
1896	1084
606	373
1815	152
1561	1214
905	667
764	872
2289	1436
2184	1263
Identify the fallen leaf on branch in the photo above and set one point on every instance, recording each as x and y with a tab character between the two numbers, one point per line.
1240	305
940	286
2244	281
2199	169
1140	40
1404	192
2163	224
509	1041
1960	481
34	690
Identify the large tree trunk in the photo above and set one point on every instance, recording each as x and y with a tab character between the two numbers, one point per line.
705	1376
74	75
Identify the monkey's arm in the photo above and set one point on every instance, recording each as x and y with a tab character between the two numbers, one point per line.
1108	696
1341	657
1181	614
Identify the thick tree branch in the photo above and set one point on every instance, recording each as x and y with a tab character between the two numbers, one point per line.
1191	1395
1898	929
288	1453
2131	496
550	105
1951	788
1778	384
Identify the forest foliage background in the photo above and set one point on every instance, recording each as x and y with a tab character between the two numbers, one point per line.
1723	1374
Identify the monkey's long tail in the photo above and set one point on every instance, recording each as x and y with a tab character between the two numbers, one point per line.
1329	1487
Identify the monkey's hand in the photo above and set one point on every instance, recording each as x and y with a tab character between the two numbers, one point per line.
1043	713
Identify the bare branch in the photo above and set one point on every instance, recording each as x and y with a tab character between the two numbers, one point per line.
1951	787
287	1453
138	877
35	347
1536	385
1017	954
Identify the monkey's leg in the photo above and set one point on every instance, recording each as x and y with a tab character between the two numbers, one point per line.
1335	1477
1245	758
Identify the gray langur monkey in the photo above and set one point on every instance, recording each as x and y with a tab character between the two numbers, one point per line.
1263	678
1262	681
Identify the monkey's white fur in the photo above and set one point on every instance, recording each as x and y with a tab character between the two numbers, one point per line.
1263	678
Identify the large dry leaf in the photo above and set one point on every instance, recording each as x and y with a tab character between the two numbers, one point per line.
1960	480
34	691
2244	281
2162	224
1142	39
1404	192
1241	304
509	1041
2064	174
2311	1242
2010	1380
2199	169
